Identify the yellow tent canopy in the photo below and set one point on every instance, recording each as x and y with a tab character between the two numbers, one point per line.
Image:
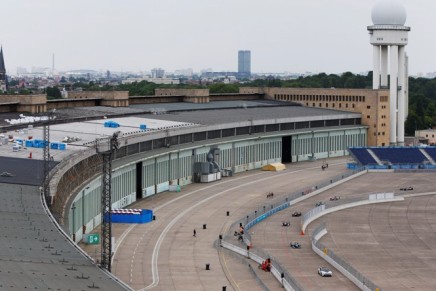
274	167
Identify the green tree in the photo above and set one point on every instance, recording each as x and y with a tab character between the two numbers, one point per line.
221	88
53	93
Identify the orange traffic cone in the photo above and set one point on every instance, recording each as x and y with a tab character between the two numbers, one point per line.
302	232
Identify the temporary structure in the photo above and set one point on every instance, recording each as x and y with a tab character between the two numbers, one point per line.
274	167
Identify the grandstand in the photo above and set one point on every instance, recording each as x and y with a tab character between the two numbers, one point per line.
394	157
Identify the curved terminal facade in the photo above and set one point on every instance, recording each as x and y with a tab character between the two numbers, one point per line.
149	163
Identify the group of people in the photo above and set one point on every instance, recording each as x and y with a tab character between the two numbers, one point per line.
240	232
270	195
266	265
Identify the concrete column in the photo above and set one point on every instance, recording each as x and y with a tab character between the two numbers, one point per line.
376	67
393	93
401	94
384	66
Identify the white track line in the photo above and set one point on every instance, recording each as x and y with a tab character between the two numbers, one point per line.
155	271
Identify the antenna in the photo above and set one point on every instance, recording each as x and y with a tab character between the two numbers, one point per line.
53	64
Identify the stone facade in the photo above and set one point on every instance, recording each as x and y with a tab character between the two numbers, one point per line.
108	98
372	104
189	95
428	134
26	103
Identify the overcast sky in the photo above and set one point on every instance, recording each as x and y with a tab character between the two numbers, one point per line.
138	35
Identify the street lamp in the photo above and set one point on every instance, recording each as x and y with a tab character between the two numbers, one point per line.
47	158
83	210
74	221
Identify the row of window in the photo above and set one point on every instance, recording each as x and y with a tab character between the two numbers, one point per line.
89	206
333	105
309	145
229	132
258	152
325	98
156	171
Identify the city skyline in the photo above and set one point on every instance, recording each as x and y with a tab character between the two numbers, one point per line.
283	36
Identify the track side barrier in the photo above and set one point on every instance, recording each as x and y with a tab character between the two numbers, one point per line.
259	256
340	264
245	247
322	210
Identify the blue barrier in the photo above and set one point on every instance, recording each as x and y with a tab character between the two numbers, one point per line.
140	216
111	124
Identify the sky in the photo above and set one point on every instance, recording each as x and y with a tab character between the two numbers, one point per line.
137	35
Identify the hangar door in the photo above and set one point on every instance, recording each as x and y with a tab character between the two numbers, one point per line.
287	149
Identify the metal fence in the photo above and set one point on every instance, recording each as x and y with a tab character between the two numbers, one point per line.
306	218
275	205
366	284
234	238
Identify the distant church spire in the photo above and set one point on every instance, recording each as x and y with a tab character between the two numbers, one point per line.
3	78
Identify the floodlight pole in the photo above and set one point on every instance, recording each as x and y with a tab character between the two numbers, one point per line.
107	149
46	154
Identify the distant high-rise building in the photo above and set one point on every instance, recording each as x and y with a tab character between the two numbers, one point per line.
157	73
3	77
244	64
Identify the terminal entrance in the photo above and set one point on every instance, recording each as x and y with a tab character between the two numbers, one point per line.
287	149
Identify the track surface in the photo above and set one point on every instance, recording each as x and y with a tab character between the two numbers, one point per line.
164	255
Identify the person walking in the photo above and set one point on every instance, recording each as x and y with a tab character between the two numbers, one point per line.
194	233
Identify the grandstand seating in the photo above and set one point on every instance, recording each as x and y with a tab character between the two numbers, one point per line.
399	155
431	151
363	156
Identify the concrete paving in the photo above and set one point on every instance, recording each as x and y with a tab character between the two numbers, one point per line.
392	244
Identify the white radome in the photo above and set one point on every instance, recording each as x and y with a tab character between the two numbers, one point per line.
388	12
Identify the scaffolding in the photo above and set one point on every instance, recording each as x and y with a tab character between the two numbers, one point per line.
106	148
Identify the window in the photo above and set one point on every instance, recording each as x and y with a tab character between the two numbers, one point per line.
368	107
368	116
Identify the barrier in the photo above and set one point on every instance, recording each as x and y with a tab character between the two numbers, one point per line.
131	215
259	256
340	264
332	206
264	212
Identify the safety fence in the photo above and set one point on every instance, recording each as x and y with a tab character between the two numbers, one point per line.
279	204
340	264
238	239
257	255
339	203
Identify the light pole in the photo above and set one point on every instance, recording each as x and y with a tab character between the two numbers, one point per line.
74	221
83	210
47	158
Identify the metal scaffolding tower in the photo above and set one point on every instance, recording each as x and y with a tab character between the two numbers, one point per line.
106	147
47	158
